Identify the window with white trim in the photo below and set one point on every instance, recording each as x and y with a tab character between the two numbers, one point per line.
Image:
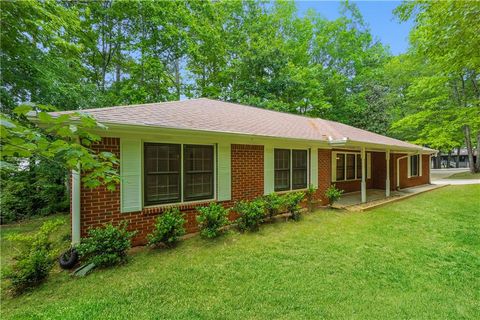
414	165
348	166
168	180
290	169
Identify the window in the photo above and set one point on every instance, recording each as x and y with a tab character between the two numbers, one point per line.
414	165
290	165
299	169
340	166
163	173
348	166
198	167
282	169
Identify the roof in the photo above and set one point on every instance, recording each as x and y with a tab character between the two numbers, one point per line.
218	116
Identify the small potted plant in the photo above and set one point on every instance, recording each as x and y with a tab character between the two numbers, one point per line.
310	196
333	194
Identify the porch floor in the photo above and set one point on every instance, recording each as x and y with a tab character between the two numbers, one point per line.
376	197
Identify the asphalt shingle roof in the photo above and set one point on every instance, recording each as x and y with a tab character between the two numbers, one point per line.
218	116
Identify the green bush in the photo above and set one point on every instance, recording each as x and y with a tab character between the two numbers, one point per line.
252	214
292	201
211	219
106	246
333	194
273	204
35	259
309	194
168	228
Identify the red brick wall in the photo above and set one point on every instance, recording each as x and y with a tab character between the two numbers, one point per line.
405	181
324	174
100	206
379	170
247	171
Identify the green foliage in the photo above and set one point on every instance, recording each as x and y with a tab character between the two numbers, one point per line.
333	194
106	246
252	214
310	195
292	203
274	203
211	219
168	228
35	258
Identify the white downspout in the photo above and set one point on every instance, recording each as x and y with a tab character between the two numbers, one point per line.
76	185
364	183
398	170
387	180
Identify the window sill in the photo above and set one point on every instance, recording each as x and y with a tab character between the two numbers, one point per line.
178	204
350	180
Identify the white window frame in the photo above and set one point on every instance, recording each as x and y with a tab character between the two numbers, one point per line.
334	166
409	166
182	201
291	168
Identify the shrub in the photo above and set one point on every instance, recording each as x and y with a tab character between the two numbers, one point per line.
310	193
333	194
292	201
211	219
106	246
168	228
251	214
273	204
35	259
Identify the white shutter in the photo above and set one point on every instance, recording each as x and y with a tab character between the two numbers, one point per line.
420	165
130	175
224	174
334	166
268	170
314	167
408	167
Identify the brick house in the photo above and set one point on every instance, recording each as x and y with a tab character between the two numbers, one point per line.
190	153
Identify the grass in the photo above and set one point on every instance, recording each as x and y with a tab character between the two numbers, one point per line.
417	258
465	175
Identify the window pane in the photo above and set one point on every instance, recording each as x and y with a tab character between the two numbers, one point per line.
414	165
299	167
350	166
198	166
340	166
162	173
282	169
359	166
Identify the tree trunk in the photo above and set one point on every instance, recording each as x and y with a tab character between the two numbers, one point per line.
477	165
438	161
449	159
468	144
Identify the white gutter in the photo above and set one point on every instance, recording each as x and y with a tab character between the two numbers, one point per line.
76	185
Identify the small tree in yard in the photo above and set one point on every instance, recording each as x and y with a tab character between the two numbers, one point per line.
35	258
333	194
211	219
168	228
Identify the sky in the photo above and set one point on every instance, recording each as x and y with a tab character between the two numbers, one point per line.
377	14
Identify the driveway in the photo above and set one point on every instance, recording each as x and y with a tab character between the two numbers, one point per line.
437	176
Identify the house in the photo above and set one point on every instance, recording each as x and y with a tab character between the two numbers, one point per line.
190	153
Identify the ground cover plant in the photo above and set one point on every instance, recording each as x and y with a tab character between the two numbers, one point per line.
416	258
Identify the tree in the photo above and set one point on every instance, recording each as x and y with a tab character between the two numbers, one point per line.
446	44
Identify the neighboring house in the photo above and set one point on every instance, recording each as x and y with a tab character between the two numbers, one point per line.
190	153
457	158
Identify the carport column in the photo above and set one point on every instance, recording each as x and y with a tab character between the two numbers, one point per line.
76	185
387	180
364	171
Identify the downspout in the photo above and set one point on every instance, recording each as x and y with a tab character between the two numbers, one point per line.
76	185
398	170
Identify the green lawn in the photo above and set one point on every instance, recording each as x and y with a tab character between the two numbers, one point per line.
418	258
465	175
